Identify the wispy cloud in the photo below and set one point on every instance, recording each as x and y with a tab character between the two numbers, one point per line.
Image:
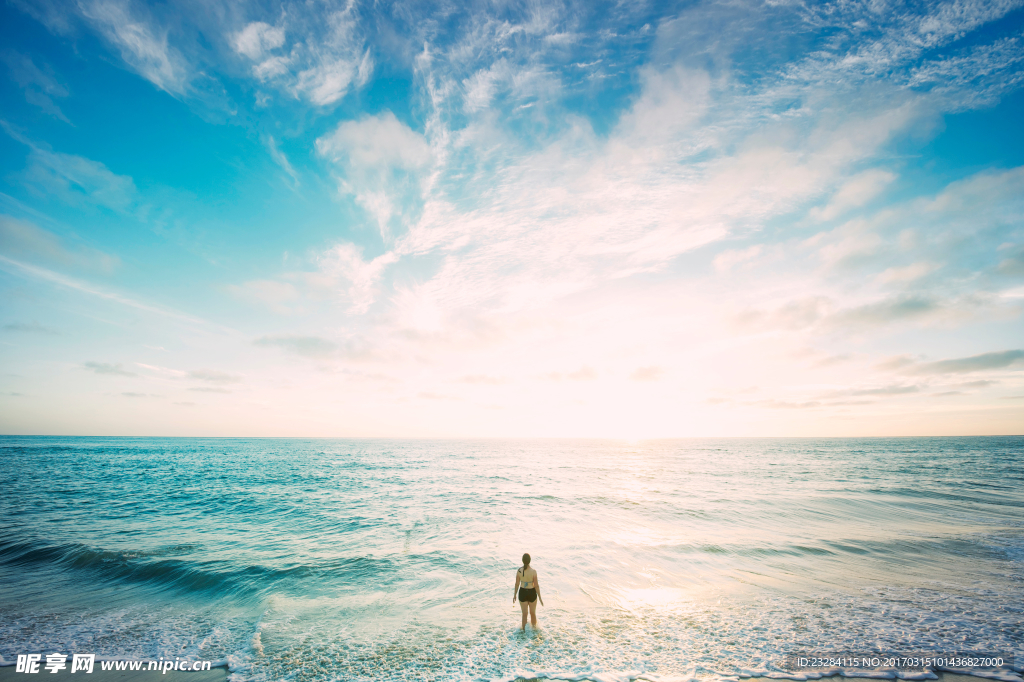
584	373
110	369
879	391
281	160
40	85
281	297
727	260
483	380
75	179
214	377
652	373
306	346
143	45
974	363
855	192
31	328
21	239
886	311
71	283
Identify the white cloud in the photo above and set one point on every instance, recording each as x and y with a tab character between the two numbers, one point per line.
344	265
481	86
324	61
581	210
375	143
381	161
848	245
341	275
327	81
256	39
671	102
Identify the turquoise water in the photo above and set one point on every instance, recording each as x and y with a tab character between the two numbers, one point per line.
388	560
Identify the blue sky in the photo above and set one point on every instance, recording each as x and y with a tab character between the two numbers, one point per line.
512	219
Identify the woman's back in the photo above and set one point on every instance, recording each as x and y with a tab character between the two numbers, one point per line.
527	577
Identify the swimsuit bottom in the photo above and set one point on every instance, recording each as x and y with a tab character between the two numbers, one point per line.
527	594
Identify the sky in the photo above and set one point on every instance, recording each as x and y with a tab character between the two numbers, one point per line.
511	219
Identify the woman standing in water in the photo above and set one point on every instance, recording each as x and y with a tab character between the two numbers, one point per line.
528	590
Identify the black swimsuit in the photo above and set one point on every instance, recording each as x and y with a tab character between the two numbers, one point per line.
528	594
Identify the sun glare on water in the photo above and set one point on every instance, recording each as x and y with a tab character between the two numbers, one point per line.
657	597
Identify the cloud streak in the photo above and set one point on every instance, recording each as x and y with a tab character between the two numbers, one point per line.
975	363
109	369
306	346
21	239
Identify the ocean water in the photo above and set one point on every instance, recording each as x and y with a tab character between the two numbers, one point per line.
379	560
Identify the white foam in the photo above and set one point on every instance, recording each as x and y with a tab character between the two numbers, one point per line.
917	675
615	677
653	677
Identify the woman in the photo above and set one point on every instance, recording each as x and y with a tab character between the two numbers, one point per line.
528	590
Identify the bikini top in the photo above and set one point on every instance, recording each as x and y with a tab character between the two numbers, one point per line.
523	581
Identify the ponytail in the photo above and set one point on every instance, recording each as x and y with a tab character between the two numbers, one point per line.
526	564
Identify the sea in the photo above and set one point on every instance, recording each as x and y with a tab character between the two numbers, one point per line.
320	560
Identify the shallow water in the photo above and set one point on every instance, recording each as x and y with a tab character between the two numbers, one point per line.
360	560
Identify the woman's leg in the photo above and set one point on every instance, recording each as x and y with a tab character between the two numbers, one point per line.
523	606
533	614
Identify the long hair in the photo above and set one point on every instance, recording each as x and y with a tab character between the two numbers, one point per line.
526	563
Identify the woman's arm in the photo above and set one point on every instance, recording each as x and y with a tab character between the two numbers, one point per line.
515	590
536	584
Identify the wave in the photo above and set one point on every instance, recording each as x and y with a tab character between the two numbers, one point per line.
148	568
